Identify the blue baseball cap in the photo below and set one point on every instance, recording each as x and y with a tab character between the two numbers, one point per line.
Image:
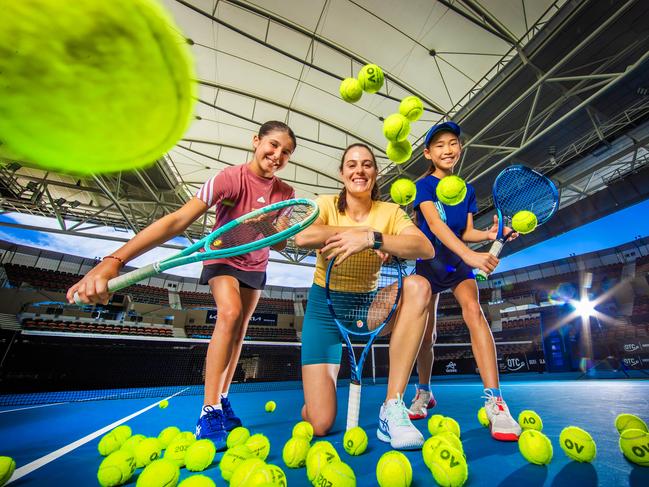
442	127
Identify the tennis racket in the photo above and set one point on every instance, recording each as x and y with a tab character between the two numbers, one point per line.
362	295
253	231
515	189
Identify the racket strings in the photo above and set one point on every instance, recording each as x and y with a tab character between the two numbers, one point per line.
523	189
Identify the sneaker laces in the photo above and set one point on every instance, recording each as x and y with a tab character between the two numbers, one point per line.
398	413
213	418
227	407
418	402
496	404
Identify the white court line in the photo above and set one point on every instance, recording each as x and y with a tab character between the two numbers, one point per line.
33	407
50	457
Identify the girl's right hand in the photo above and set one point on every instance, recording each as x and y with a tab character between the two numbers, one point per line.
93	288
482	260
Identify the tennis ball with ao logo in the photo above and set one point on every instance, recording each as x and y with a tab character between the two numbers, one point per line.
371	78
529	420
634	444
116	469
448	466
403	191
355	441
577	444
115	87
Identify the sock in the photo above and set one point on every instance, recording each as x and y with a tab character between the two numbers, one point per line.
424	387
494	391
213	406
224	394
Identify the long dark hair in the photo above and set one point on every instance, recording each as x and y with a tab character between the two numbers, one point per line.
342	197
274	125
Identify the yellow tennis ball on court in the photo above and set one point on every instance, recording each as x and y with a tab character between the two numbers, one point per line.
411	107
577	444
259	445
451	190
535	447
132	442
396	127
435	424
449	424
197	481
448	466
244	471
355	441
167	435
394	470
116	469
163	404
266	475
159	473
200	455
452	439
634	444
7	467
483	419
403	191
295	451
146	451
350	90
336	474
529	420
399	152
232	458
320	454
303	429
270	406
177	449
444	438
122	433
238	436
108	444
371	78
114	88
524	222
629	421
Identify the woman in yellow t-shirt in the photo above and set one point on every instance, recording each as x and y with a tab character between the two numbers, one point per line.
352	222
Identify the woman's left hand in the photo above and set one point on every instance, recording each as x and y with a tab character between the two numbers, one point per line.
346	243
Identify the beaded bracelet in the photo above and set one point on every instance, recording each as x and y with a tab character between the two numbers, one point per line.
121	261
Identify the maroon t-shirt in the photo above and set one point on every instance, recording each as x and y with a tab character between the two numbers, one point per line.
236	191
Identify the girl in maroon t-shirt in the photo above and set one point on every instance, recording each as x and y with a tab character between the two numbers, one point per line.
236	283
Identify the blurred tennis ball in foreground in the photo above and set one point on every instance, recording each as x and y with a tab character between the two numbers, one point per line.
451	190
350	90
399	152
403	191
524	222
411	107
90	86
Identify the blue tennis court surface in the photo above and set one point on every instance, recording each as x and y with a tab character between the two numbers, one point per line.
42	438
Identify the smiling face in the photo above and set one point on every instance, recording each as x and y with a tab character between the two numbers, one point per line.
358	171
443	151
272	152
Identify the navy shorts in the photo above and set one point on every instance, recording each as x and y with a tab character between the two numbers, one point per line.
442	276
247	279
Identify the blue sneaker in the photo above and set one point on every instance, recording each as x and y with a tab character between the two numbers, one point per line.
210	426
230	420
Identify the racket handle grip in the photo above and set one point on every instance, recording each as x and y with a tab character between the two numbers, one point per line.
125	280
495	249
353	405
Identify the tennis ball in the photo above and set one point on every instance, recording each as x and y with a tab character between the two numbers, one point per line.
185	436
535	447
159	473
238	436
355	441
266	475
270	406
350	90
108	444
318	457
529	420
403	191
449	424
577	444
483	419
435	424
629	421
634	444
394	470
232	458
396	127
295	451
132	442
524	222
177	449
167	435
146	451
411	107
430	445
200	455
163	404
303	429
7	467
336	474
116	469
197	481
113	87
452	439
122	433
243	472
451	190
448	466
371	78
399	152
259	445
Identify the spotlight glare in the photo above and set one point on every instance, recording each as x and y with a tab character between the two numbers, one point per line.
585	307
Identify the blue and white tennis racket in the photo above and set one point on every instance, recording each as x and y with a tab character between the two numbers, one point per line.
362	294
515	189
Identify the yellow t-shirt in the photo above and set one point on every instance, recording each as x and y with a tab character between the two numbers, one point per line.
384	217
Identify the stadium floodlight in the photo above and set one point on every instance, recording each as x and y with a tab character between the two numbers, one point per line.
585	307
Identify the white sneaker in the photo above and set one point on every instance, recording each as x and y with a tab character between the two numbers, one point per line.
503	427
421	403
396	428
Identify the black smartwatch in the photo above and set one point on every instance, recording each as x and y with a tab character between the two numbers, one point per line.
378	240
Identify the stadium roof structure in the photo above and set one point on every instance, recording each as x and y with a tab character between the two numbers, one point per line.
561	86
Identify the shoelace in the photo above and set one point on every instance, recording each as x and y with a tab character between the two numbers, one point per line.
398	412
214	419
227	407
419	400
493	402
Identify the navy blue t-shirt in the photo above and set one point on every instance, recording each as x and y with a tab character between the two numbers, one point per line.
455	215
